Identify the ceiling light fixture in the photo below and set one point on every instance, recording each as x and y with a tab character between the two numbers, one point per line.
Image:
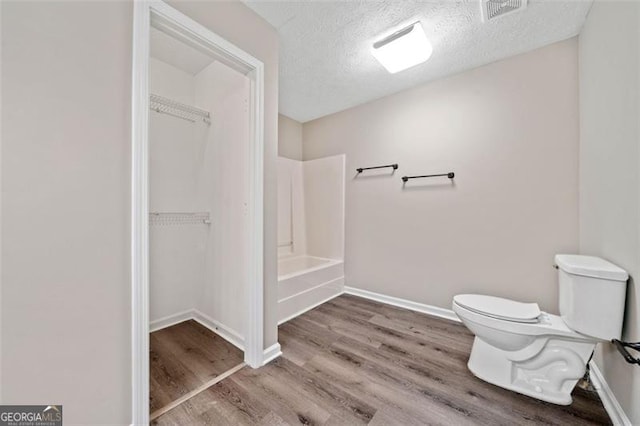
403	49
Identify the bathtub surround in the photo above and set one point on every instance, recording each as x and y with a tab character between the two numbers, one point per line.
510	132
292	233
306	282
310	233
609	48
66	97
311	196
291	203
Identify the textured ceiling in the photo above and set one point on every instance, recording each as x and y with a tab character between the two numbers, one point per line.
325	60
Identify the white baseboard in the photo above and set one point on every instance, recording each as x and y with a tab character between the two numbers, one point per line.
403	303
170	320
217	327
271	353
231	336
220	329
609	400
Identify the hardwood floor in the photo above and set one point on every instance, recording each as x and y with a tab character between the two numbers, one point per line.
183	357
353	361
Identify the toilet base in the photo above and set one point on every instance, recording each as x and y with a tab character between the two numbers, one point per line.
548	369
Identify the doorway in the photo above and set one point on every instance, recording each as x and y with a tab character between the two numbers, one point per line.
197	204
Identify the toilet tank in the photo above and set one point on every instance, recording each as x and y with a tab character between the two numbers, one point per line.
592	292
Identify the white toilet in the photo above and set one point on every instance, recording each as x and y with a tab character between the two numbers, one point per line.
520	348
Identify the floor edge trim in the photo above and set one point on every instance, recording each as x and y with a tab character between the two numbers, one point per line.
271	353
189	395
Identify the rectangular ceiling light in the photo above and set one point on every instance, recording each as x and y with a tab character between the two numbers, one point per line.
403	49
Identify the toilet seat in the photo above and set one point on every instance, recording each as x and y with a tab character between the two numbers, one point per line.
499	308
546	325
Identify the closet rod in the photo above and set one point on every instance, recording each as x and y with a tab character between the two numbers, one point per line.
179	218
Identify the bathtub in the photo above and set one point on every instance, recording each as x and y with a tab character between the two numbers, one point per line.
305	282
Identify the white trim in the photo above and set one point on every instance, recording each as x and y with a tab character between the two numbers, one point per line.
315	287
170	320
254	338
227	333
1	399
271	353
403	303
609	400
196	391
187	29
139	216
315	305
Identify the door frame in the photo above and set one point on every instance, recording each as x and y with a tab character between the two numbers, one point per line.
171	20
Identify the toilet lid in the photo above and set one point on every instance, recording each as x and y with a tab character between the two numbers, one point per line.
497	307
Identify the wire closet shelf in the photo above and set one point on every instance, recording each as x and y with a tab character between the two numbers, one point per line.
168	106
179	218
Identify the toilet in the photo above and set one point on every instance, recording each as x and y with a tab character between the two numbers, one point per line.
520	348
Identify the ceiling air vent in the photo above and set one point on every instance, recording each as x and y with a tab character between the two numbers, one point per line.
492	9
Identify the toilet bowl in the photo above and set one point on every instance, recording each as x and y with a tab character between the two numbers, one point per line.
543	358
523	349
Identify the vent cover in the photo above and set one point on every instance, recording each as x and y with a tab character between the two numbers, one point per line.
492	9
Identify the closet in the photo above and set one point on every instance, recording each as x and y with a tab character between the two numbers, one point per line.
198	142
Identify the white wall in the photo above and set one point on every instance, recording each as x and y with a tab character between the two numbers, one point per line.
66	141
324	180
176	253
509	130
609	163
289	138
66	98
223	190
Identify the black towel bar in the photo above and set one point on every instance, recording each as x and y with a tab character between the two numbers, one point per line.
450	175
622	348
361	169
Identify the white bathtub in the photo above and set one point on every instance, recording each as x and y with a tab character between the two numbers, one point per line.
304	282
